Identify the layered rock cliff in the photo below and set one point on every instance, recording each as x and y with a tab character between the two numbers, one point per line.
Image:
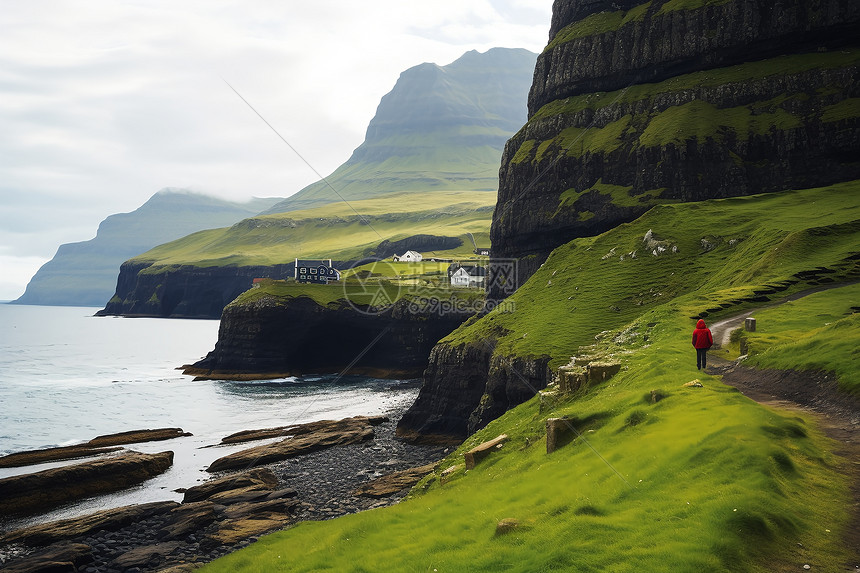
635	104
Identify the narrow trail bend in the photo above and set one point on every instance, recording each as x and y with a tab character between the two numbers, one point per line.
816	393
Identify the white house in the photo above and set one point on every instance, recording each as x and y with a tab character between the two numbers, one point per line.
469	276
409	257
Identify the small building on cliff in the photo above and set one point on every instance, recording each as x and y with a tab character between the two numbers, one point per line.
409	257
317	271
467	275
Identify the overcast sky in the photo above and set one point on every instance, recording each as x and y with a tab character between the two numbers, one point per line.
103	103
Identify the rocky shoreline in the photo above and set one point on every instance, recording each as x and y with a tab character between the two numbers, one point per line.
211	522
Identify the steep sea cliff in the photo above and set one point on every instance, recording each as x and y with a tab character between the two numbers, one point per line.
272	336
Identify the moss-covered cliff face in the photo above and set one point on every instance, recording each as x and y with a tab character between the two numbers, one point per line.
638	104
635	104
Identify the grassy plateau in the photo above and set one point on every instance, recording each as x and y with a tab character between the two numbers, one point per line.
339	231
660	476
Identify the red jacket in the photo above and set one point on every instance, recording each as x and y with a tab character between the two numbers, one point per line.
702	337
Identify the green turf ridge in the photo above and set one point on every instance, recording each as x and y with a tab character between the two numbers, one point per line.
607	21
702	479
697	119
819	332
741	73
375	291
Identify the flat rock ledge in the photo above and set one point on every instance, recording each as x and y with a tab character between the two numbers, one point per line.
302	429
313	437
226	513
41	491
159	535
96	446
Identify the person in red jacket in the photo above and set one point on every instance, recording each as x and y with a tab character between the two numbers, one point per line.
702	340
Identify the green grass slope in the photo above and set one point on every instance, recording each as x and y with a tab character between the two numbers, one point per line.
730	251
337	231
660	476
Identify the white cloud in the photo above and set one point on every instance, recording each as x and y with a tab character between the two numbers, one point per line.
105	102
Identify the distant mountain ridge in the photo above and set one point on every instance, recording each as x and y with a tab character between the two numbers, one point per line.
428	166
439	128
85	273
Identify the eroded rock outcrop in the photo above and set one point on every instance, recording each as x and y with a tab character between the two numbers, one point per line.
465	387
64	530
394	482
280	337
214	517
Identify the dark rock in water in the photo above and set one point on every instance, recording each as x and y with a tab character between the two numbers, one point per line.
185	292
66	558
262	478
30	493
96	446
108	520
394	482
341	432
298	336
32	457
138	436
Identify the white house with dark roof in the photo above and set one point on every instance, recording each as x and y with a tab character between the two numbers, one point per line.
469	276
409	257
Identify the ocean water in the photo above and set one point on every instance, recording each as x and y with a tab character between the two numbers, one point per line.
67	376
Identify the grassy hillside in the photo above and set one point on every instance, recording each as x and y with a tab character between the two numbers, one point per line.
728	252
661	476
333	231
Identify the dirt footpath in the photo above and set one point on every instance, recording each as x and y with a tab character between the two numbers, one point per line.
814	393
